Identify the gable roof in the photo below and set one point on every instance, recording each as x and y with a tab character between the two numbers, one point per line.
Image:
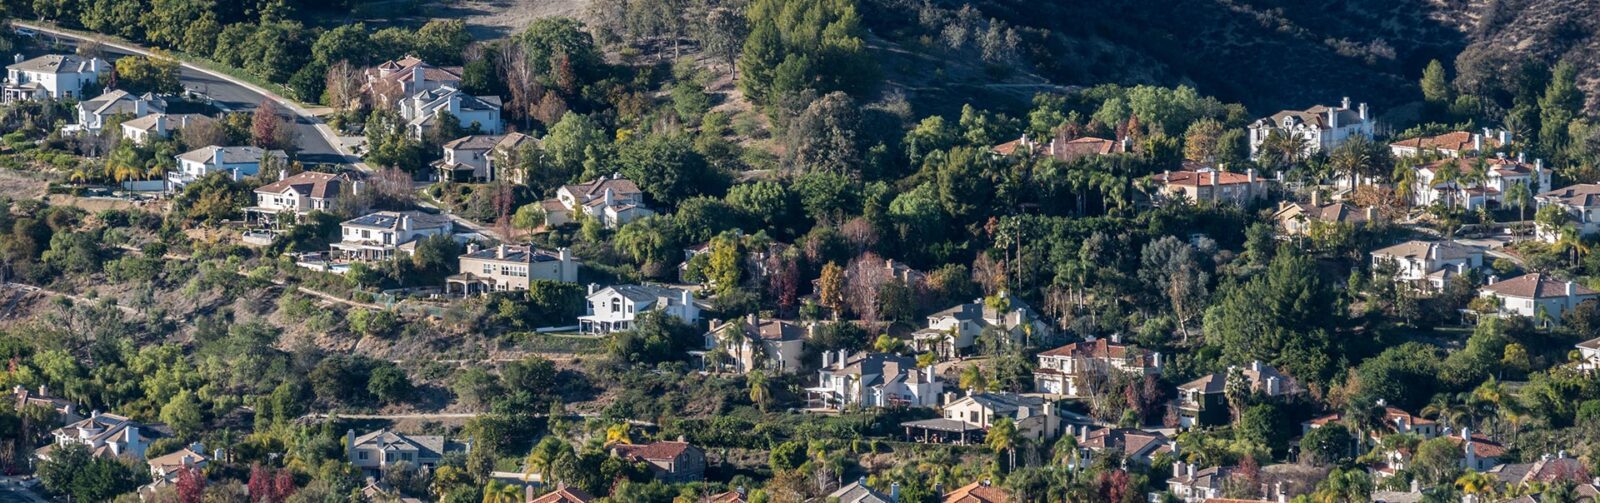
617	184
652	451
1098	348
1536	286
641	293
311	183
168	121
56	64
383	439
473	142
979	491
1447	250
858	492
1214	383
1584	195
231	155
521	254
1503	167
1002	403
1199	175
564	494
1316	117
1457	141
175	460
1336	212
395	220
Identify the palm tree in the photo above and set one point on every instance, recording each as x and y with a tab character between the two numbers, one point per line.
543	458
1351	159
759	394
1067	451
1478	484
1521	196
973	379
1569	242
1003	437
1405	182
501	492
731	335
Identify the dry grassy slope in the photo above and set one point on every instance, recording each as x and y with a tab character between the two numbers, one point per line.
1550	30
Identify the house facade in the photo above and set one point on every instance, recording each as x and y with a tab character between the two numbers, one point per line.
394	80
1581	203
1434	186
1063	148
953	331
1035	418
378	236
1135	445
1066	370
92	113
376	450
614	201
143	130
1202	402
298	194
1198	182
52	77
1295	219
1537	296
238	162
479	158
873	380
671	462
1322	127
614	308
167	467
423	109
1428	264
510	268
753	343
106	435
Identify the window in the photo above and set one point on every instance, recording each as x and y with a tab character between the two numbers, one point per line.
362	455
616	305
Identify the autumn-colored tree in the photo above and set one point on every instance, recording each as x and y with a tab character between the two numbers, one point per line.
191	485
830	288
264	124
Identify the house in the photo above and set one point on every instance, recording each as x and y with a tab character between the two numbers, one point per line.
979	491
1063	149
1499	175
1548	469
1428	264
1135	445
1035	418
480	158
66	411
1295	219
1453	144
952	331
1196	486
52	77
142	130
614	201
672	462
106	435
1478	453
754	343
1396	420
1322	127
859	492
377	450
1198	182
167	467
423	109
1581	202
238	162
1589	355
614	308
377	236
92	114
1202	402
734	496
394	80
1536	295
562	494
1063	371
873	380
299	194
511	268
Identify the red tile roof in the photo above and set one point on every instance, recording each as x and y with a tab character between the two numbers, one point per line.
977	492
1535	286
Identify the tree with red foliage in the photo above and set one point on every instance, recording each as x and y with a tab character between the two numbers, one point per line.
264	124
191	485
267	485
1113	485
283	486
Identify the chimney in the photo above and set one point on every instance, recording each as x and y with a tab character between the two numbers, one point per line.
1344	103
1272	386
1166	175
1255	366
1333	118
1363	111
609	196
592	288
1250	174
827	359
416	77
1538	164
1493	278
500	251
44	391
1505	137
1372	213
350	445
894	492
1433	251
472	248
216	156
1177	469
683	296
1571	289
1522	157
751	319
1316	198
1470	451
1214	177
1477	142
18	58
405	221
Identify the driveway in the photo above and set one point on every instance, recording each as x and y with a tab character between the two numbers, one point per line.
314	141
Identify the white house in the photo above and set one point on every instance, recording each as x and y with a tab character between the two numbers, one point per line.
157	125
873	380
1589	355
374	451
1063	370
394	80
106	435
239	162
424	108
56	76
510	268
298	194
1581	202
953	330
1035	418
1499	175
1429	264
1452	144
1536	294
1322	127
167	467
614	308
614	201
92	114
753	343
377	236
475	158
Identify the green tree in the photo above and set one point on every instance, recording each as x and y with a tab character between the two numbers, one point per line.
1435	85
723	269
1561	103
183	414
805	44
389	384
442	41
667	168
1002	436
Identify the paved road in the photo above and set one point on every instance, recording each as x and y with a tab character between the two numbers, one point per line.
314	144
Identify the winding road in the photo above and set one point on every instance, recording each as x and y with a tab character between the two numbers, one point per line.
316	141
